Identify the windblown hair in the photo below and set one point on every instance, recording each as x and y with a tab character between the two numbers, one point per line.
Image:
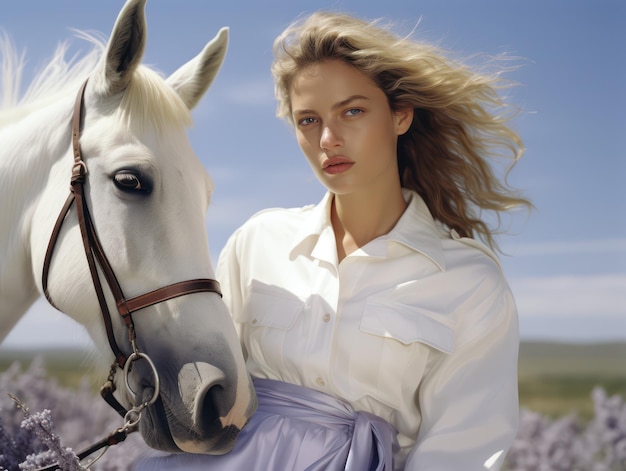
460	120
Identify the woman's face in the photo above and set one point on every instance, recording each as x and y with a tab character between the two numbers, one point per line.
345	127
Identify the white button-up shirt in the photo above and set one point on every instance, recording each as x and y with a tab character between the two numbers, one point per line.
418	327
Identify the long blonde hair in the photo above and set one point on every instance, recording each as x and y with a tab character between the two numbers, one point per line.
459	124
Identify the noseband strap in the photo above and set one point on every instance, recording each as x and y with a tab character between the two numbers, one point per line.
95	253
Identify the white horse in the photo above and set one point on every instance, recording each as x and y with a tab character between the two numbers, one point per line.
147	194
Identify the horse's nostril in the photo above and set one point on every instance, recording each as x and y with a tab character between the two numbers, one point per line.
213	419
201	390
209	409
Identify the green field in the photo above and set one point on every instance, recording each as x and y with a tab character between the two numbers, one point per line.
554	378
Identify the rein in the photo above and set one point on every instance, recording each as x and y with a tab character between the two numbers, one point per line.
125	306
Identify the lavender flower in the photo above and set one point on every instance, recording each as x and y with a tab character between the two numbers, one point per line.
38	461
567	444
41	423
80	418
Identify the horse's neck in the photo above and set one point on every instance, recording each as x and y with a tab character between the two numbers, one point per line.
29	148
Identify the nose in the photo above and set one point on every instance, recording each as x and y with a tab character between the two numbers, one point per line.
202	389
330	138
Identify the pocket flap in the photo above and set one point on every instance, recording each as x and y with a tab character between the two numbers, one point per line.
268	306
408	324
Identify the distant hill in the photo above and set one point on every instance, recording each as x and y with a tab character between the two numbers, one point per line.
570	359
536	358
554	378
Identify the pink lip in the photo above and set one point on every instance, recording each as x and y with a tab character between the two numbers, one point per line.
334	165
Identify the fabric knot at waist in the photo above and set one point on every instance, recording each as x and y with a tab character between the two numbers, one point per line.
369	440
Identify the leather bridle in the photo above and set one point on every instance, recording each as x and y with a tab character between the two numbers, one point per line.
95	253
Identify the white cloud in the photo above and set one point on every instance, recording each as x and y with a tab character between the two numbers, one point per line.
571	295
251	92
614	245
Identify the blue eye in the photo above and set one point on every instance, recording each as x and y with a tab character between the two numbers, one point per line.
306	121
354	111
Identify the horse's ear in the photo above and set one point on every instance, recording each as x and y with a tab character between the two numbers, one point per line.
193	79
125	48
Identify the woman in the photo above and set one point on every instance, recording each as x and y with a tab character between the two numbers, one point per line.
381	332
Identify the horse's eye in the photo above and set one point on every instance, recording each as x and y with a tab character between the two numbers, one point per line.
129	182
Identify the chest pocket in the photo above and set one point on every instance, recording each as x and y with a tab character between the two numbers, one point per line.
270	327
271	307
408	325
394	343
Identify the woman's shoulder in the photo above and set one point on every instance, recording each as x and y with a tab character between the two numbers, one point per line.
472	261
469	250
486	303
266	231
271	217
448	248
273	224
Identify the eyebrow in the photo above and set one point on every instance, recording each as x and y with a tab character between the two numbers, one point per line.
340	104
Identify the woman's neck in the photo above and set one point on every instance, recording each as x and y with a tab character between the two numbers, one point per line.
360	218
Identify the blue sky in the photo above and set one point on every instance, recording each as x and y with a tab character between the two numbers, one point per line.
567	260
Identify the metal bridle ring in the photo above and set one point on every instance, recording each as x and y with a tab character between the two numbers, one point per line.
138	356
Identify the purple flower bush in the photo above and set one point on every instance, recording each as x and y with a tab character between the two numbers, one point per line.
567	444
42	423
64	421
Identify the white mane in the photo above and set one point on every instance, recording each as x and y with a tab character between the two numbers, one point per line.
57	78
147	101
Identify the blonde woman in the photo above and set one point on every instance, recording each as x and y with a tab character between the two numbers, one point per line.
378	324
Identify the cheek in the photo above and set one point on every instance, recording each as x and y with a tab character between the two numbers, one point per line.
300	139
307	145
383	136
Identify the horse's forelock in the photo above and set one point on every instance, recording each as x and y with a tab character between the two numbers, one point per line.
149	102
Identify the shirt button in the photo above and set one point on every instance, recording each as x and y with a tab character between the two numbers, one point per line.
254	321
320	382
326	317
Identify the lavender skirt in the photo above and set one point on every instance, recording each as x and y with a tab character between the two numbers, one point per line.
297	429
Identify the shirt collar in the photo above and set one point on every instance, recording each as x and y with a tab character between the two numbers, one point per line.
416	229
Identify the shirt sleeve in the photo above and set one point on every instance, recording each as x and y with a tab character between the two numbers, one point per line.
469	399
